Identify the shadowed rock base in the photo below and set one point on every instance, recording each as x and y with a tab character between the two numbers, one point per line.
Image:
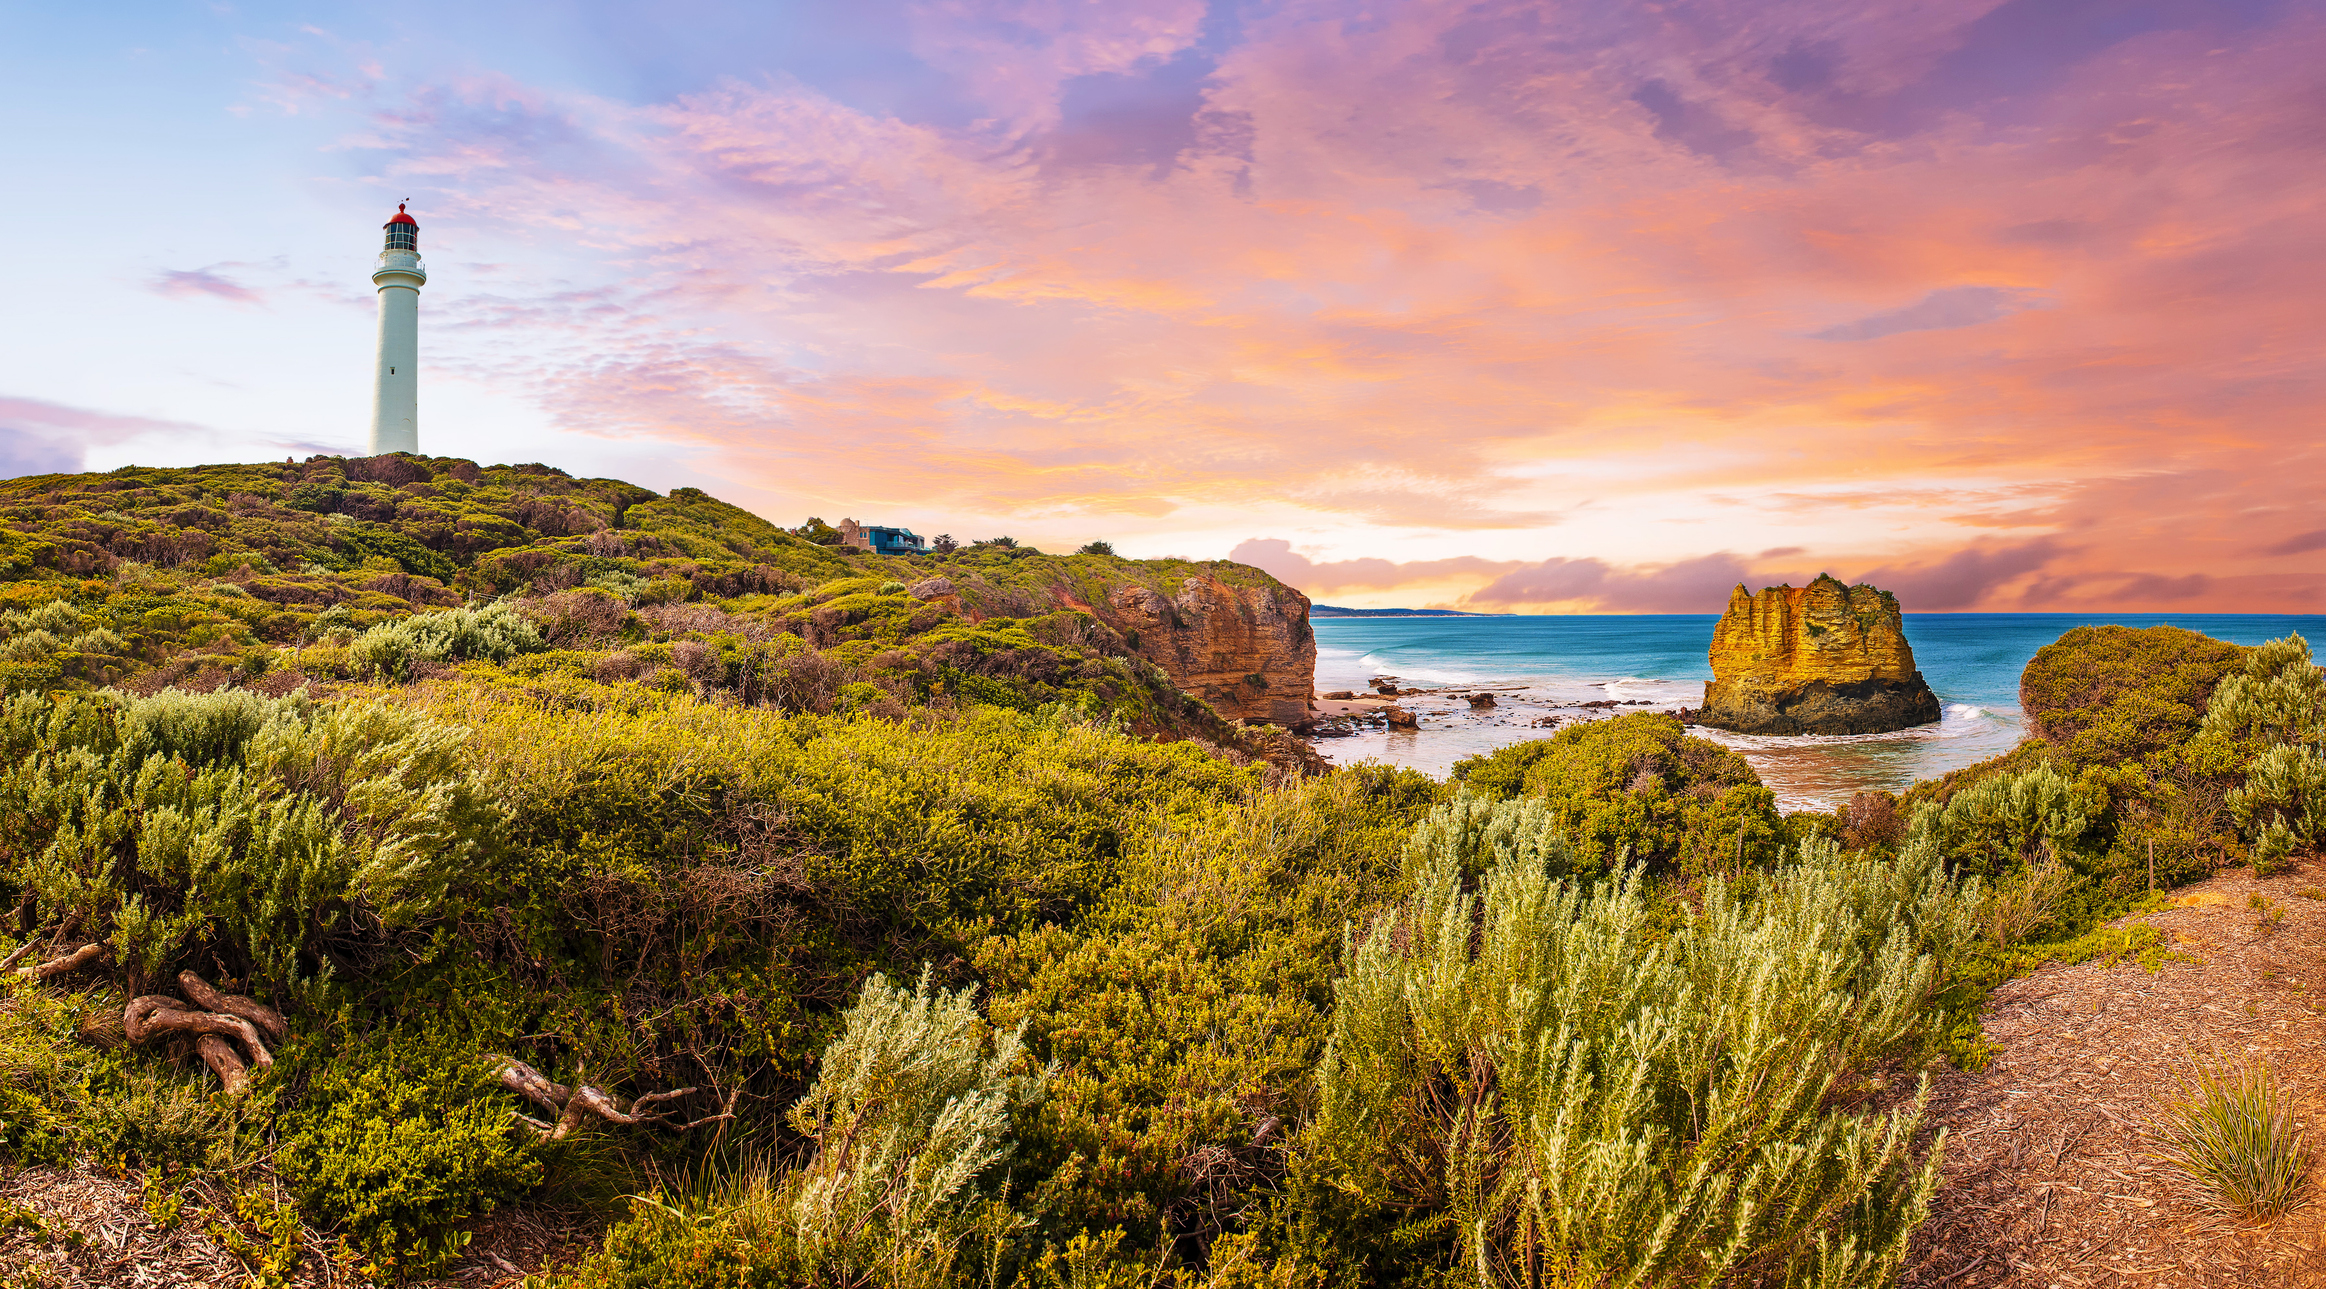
1819	707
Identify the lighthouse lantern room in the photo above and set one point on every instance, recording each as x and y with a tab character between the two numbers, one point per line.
399	276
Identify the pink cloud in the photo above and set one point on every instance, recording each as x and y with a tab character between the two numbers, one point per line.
39	437
205	282
2048	278
1016	55
1965	578
1277	557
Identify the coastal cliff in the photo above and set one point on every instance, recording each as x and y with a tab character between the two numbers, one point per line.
1225	633
1819	659
1244	647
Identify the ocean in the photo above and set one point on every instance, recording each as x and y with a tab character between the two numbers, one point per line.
1538	664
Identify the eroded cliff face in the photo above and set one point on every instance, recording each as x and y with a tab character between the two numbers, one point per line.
1247	650
1819	659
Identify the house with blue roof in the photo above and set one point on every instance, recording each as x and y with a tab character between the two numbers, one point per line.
880	540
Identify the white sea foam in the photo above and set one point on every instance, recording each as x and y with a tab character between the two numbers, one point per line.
1438	676
1373	664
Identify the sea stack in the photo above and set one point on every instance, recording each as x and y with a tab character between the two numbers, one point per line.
1819	659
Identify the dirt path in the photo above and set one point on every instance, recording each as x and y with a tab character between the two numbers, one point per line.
2049	1179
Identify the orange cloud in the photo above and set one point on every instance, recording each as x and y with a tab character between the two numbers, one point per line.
2012	304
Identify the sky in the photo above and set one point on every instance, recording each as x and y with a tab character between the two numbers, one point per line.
1568	306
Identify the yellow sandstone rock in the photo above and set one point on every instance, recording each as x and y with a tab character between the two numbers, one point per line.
1791	635
1818	659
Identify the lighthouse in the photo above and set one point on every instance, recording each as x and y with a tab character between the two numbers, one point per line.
396	393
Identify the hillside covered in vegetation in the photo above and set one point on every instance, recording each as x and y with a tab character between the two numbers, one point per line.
678	902
263	575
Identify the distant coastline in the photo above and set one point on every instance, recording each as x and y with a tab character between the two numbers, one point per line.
1336	611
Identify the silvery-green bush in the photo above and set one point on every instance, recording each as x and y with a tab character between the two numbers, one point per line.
907	1121
911	1105
270	833
2278	703
2004	820
1533	1080
493	633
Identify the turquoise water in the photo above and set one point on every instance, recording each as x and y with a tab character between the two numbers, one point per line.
1539	664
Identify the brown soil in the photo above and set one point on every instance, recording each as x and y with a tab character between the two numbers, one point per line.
2050	1178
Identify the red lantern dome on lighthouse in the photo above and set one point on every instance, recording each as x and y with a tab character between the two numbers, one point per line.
403	231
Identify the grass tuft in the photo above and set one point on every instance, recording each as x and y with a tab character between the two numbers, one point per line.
2229	1132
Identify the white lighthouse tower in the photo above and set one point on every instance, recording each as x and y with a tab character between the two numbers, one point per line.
396	395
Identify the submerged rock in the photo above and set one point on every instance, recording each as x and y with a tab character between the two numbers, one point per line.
1819	659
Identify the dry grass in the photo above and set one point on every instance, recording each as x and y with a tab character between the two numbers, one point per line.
2053	1176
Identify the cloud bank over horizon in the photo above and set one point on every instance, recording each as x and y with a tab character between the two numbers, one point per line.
1543	306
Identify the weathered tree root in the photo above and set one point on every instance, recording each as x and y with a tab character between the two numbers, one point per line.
269	1021
219	1055
573	1105
230	1016
78	958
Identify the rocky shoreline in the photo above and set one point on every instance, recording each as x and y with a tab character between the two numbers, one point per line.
1341	713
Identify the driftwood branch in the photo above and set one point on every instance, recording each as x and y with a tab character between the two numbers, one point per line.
150	1016
219	1055
160	1015
580	1102
726	1113
529	1083
269	1021
16	955
78	958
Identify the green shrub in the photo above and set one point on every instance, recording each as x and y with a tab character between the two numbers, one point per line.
1640	786
44	1074
2276	706
1188	1008
2135	762
2105	695
1529	1082
257	831
2006	821
395	1140
492	633
162	1119
910	1110
409	555
952	827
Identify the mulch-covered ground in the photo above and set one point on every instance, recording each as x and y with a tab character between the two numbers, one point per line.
2050	1177
85	1225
